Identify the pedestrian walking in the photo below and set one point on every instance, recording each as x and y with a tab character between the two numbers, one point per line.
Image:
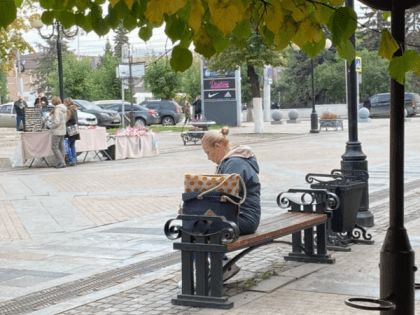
197	107
19	105
187	112
58	130
70	133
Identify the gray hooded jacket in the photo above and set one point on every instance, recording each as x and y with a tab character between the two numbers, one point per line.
241	160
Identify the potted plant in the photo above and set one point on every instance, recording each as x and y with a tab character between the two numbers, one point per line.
330	120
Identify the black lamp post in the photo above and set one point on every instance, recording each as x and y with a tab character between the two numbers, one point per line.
314	115
354	158
397	258
57	30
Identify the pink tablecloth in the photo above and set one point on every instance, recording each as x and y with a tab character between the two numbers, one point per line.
129	147
38	144
92	140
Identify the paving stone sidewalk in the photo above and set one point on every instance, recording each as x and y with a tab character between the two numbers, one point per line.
269	285
92	223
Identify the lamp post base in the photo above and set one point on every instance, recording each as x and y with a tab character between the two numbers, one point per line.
314	122
355	159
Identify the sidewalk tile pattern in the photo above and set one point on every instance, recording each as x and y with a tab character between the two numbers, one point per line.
106	210
11	229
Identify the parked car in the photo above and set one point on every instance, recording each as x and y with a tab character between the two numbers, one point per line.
275	105
8	116
380	104
106	103
170	113
142	115
105	117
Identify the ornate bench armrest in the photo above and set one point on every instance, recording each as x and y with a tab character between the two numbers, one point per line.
228	234
308	197
353	175
333	178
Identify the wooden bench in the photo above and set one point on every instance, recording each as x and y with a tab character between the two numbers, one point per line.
312	212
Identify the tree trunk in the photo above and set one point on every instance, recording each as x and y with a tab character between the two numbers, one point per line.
253	79
255	89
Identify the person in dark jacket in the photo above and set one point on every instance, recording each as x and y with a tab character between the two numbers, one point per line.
366	102
41	101
240	160
19	105
197	107
71	121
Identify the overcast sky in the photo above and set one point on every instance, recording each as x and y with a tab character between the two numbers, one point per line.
93	45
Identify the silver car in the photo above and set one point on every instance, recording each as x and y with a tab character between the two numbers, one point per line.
8	116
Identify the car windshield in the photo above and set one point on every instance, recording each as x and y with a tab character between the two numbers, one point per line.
88	105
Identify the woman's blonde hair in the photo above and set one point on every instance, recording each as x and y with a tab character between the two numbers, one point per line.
68	101
212	137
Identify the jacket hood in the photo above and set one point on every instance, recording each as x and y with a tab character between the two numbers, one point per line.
245	153
61	108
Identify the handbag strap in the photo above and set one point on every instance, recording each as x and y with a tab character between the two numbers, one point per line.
224	198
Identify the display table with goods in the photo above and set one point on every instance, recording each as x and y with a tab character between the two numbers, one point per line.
37	145
197	131
132	143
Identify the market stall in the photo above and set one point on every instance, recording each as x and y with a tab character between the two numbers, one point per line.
134	143
37	145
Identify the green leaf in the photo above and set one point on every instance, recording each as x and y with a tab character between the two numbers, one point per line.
399	66
113	17
181	58
242	30
67	19
342	24
386	15
145	33
99	25
220	42
18	3
7	12
241	44
388	45
186	38
130	22
184	13
46	4
204	44
175	27
313	49
268	37
47	17
346	50
323	13
286	33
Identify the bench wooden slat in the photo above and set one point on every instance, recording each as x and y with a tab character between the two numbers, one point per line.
278	226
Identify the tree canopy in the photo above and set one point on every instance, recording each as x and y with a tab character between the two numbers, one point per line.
210	24
161	80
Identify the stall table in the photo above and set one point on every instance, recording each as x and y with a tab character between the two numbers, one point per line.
38	144
132	147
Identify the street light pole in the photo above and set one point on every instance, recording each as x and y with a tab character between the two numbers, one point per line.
354	158
60	63
314	115
57	27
